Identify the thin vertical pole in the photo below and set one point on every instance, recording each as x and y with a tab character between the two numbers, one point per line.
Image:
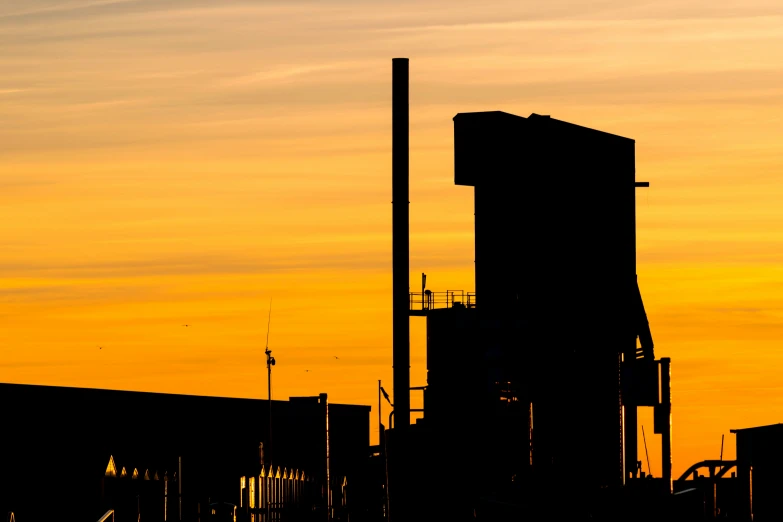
666	436
269	362
269	386
400	284
400	243
379	411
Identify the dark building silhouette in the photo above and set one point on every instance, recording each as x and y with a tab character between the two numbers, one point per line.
556	273
745	489
57	443
759	465
536	384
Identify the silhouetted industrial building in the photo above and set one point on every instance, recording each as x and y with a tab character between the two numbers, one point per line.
536	384
745	489
58	443
530	406
759	465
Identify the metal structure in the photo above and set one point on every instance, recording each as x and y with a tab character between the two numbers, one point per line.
715	469
422	303
400	241
292	493
270	361
560	347
400	282
141	493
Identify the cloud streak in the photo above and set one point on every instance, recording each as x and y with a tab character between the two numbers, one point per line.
39	7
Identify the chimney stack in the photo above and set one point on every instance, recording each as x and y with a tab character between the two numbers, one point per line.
398	489
400	246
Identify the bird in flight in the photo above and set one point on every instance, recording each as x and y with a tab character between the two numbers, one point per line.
100	347
336	357
307	371
185	325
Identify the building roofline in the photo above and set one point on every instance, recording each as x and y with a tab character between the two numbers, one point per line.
756	427
539	118
160	394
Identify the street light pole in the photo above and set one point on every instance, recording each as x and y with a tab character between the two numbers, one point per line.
270	361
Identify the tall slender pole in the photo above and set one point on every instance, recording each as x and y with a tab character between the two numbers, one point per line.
379	411
400	243
269	386
666	438
400	283
269	394
270	361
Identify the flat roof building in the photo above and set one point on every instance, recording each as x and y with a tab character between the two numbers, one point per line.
759	461
58	441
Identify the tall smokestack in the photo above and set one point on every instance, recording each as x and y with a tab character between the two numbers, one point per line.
401	357
401	362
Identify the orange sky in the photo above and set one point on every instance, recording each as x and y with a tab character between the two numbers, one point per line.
182	162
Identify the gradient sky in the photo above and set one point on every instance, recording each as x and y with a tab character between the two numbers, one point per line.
177	162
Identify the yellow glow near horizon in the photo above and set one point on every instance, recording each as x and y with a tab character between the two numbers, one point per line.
182	162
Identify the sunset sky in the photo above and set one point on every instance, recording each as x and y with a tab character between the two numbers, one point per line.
173	162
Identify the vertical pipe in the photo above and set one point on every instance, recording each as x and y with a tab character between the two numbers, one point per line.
179	487
400	242
328	462
269	402
380	420
750	492
630	415
666	436
400	286
269	395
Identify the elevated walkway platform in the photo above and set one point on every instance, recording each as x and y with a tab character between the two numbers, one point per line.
421	303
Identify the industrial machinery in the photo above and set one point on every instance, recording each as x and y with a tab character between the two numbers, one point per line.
532	392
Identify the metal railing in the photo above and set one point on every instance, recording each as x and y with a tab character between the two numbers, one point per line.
438	300
106	516
282	494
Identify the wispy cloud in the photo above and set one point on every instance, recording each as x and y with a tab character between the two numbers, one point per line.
195	265
289	74
61	7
